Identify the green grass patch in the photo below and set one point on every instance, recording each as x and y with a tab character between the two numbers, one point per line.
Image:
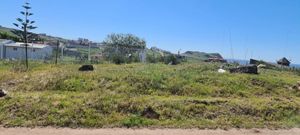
186	96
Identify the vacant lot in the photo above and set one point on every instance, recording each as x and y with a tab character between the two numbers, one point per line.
184	96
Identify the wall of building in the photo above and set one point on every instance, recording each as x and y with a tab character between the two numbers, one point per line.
33	53
1	51
11	53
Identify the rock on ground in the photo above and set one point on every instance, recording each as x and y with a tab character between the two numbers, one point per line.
86	68
3	93
249	69
150	113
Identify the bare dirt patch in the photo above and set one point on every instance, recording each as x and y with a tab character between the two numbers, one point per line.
119	131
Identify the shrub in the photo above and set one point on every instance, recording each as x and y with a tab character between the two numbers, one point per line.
136	121
132	58
74	84
118	59
151	59
172	59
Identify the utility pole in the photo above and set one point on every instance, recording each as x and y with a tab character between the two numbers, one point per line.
89	57
57	49
62	53
179	52
231	47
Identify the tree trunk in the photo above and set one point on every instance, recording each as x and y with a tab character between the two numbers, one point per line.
26	40
26	47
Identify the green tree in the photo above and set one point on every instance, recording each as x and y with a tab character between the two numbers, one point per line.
25	25
124	41
120	47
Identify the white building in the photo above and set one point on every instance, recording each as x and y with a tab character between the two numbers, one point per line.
2	43
12	50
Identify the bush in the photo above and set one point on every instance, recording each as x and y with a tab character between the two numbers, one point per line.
297	72
118	59
74	84
135	121
172	59
151	59
132	58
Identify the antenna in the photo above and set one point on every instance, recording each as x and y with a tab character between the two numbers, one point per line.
287	45
179	52
231	47
246	53
89	56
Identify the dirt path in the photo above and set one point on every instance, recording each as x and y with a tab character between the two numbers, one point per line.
117	131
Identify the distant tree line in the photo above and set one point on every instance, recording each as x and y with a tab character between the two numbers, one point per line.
128	48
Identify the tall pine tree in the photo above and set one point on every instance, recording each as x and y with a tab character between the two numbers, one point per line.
25	25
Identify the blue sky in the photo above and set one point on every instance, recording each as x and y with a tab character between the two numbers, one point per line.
264	29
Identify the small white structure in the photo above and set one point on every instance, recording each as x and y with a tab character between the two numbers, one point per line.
2	43
221	71
12	50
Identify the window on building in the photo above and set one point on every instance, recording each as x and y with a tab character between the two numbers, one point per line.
15	49
33	50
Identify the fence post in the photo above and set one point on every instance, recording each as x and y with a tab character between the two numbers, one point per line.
57	48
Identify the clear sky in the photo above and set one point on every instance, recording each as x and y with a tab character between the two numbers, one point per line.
263	29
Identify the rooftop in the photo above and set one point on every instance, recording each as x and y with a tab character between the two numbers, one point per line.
5	41
30	45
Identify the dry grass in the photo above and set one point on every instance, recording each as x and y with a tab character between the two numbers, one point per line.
185	96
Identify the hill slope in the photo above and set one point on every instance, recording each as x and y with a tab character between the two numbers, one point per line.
195	55
184	96
51	40
11	33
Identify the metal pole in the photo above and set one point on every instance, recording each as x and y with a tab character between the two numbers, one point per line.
89	57
62	53
57	47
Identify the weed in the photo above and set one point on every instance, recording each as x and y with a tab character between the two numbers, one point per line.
185	96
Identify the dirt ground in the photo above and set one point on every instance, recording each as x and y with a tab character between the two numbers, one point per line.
118	131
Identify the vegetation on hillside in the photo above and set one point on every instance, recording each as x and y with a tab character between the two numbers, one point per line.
189	95
12	34
195	55
6	35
